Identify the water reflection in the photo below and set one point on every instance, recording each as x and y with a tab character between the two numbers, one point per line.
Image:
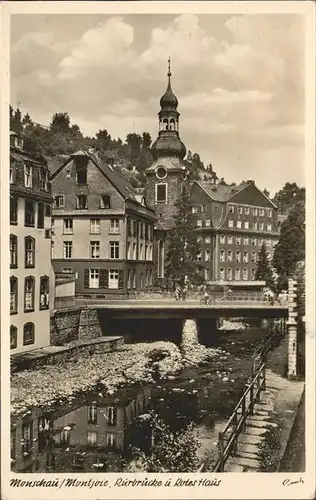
97	433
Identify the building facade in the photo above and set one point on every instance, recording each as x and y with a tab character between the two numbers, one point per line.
31	283
102	229
232	224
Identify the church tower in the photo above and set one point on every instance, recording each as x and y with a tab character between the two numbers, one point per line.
165	177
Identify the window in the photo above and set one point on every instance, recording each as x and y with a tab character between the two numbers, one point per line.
253	257
40	215
141	251
260	242
261	212
245	274
67	249
222	238
199	239
68	226
245	257
207	254
92	415
207	222
13	251
29	291
246	210
13	295
13	210
230	240
239	224
67	270
43	180
29	251
12	173
114	250
239	210
246	225
206	274
105	201
269	213
199	257
254	211
92	437
94	249
13	337
134	228
134	252
161	193
95	226
141	230
246	240
28	176
82	202
44	292
229	256
194	210
261	226
59	201
111	440
199	223
253	274
222	274
94	277
230	223
229	274
231	209
237	274
161	172
238	240
48	211
81	174
52	249
268	242
203	208
114	226
254	242
29	214
207	239
114	278
269	227
238	255
222	256
112	415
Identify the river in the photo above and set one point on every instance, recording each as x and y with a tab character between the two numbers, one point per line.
98	432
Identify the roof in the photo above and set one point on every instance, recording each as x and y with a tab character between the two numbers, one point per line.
169	164
221	192
224	193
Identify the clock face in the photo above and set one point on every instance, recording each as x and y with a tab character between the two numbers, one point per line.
161	172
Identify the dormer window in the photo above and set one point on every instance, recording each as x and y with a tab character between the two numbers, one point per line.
161	172
82	202
105	201
44	179
81	174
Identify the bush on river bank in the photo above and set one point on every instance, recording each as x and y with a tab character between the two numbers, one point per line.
134	363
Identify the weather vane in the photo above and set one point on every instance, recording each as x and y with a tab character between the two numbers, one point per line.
169	66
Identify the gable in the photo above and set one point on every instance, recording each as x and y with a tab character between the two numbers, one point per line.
251	195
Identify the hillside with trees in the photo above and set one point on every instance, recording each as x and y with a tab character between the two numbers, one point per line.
131	155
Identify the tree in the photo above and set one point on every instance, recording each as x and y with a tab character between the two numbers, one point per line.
60	123
266	192
264	271
146	140
183	249
291	245
170	451
16	120
288	196
103	140
134	142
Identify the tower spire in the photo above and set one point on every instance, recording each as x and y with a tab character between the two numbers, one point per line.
169	67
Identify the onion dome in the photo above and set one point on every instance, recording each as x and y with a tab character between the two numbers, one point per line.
169	100
168	146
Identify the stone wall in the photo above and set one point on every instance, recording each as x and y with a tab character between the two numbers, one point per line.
89	326
64	326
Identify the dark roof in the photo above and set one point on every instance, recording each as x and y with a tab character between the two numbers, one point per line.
221	192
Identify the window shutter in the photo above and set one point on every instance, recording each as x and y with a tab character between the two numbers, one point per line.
86	278
121	278
104	278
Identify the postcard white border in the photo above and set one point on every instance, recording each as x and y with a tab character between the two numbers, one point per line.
233	485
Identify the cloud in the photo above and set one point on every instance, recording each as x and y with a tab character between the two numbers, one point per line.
243	86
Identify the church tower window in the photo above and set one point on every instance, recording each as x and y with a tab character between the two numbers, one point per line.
161	193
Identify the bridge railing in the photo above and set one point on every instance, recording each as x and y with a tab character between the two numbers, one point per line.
196	296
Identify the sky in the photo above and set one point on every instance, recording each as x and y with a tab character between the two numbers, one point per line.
239	80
